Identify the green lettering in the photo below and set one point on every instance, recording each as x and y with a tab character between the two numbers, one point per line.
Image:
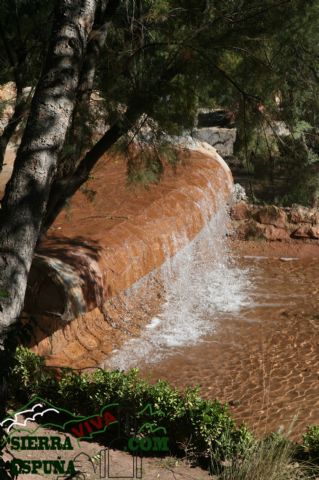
131	446
15	443
24	443
36	465
15	466
71	469
43	443
58	466
67	444
47	467
160	444
56	443
146	444
32	443
26	467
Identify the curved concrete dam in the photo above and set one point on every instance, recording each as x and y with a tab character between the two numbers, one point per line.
110	237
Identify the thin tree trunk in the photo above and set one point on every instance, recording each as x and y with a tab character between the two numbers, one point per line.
27	192
11	127
17	63
78	135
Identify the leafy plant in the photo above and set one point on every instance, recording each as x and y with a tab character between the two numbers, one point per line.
206	427
311	442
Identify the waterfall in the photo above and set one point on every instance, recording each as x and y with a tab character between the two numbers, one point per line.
201	283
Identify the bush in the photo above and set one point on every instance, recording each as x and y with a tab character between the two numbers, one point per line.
196	427
199	429
311	442
270	459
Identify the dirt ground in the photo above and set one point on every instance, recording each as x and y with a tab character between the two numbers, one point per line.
92	458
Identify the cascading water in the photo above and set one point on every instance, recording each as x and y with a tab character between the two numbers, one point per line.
200	283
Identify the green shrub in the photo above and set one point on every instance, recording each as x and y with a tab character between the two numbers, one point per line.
199	429
196	427
311	442
272	458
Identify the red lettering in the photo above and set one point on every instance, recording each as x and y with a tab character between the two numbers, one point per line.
108	418
88	427
78	432
97	422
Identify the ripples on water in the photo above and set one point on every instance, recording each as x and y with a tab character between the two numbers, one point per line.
200	283
243	327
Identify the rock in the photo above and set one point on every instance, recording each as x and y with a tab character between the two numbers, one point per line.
314	232
105	252
302	232
240	211
251	230
277	129
222	139
239	193
271	215
272	233
246	230
303	215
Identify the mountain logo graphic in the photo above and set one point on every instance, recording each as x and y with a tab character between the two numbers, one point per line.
52	417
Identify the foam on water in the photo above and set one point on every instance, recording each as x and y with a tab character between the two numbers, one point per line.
201	284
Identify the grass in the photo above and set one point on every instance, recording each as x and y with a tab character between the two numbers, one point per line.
273	458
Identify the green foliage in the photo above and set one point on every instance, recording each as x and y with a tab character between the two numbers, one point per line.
311	442
24	29
165	58
282	87
31	376
199	427
270	459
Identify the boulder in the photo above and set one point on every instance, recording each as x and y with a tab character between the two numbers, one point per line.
246	230
314	232
240	211
301	214
271	215
302	232
251	230
272	233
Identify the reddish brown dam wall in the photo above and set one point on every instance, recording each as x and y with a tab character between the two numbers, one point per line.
111	235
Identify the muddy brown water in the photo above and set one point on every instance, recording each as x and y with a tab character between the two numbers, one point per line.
264	360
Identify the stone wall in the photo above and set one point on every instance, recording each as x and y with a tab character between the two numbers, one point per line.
273	223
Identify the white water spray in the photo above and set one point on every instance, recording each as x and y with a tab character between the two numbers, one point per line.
201	284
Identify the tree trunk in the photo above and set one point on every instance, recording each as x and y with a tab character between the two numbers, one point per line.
18	65
79	136
11	127
27	193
